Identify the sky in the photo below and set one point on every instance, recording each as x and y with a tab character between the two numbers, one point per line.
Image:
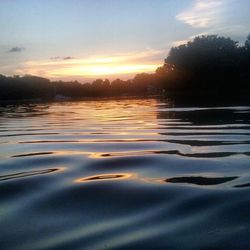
88	39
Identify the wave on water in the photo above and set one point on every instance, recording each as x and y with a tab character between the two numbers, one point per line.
124	174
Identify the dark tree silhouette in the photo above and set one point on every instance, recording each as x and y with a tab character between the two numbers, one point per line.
210	64
247	43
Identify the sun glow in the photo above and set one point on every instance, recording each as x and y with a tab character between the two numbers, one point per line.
103	70
95	66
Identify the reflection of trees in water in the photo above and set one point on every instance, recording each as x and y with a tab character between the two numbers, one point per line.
206	127
207	116
24	110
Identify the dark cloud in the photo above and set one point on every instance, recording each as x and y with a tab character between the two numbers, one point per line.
16	49
62	58
68	57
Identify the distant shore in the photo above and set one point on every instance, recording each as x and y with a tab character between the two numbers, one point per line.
209	67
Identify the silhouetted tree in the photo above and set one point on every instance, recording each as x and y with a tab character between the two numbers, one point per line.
247	43
212	62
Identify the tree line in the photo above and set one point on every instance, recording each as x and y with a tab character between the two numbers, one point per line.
207	65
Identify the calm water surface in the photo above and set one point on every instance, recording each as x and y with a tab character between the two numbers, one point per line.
129	174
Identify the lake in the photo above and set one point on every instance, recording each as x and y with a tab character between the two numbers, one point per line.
124	174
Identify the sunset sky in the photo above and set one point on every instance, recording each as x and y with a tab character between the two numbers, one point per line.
87	39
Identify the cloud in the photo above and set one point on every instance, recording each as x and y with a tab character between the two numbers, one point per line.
203	14
68	57
190	38
180	42
62	58
16	49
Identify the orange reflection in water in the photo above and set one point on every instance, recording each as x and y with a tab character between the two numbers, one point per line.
104	177
121	154
125	111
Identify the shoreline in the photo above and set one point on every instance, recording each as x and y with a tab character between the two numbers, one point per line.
177	98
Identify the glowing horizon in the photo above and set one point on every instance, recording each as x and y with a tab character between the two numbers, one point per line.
123	65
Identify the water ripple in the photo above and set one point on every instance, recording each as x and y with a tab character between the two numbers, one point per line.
139	174
27	174
199	180
104	177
